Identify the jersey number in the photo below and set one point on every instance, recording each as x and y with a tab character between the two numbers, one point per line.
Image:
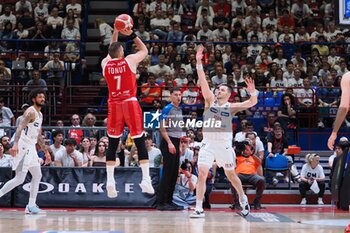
118	78
26	130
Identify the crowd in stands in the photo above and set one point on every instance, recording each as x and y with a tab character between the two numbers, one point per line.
39	20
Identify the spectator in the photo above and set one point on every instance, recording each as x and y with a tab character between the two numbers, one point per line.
341	70
254	49
277	143
305	96
322	48
70	32
23	5
7	118
85	150
184	194
301	13
7	33
285	20
77	134
142	33
247	171
312	172
154	154
271	20
28	21
219	77
175	34
205	5
319	31
7	17
159	25
99	158
221	32
155	6
55	24
224	5
90	121
270	35
20	32
190	95
70	16
69	157
333	59
185	152
302	36
150	90
278	83
55	70
220	17
76	7
252	19
23	108
39	34
286	112
132	160
6	160
296	80
57	137
51	49
36	82
41	13
267	129
72	55
142	8
161	67
5	141
238	6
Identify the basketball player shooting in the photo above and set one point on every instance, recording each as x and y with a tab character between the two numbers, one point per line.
217	144
123	107
342	110
26	159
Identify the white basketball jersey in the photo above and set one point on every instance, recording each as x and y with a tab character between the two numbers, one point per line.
218	113
31	132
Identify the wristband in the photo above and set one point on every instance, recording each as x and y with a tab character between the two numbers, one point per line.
255	93
133	35
199	67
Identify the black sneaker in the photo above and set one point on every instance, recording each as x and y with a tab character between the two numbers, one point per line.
257	205
206	205
176	207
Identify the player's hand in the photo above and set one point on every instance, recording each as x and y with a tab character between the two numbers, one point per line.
199	55
270	155
126	31
14	150
172	148
331	141
250	85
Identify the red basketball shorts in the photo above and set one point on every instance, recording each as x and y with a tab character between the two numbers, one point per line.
121	113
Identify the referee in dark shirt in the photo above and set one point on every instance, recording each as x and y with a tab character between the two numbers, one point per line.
170	145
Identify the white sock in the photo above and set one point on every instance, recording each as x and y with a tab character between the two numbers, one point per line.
31	201
243	198
199	205
110	175
145	171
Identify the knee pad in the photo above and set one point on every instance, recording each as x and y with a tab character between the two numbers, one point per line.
141	148
112	148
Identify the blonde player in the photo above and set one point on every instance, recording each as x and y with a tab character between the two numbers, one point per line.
217	144
342	110
26	159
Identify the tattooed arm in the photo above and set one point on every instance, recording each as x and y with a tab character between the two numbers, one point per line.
28	116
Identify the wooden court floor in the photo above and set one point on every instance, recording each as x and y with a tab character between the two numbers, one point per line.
297	220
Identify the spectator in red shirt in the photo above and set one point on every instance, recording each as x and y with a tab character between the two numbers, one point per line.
285	20
77	134
222	4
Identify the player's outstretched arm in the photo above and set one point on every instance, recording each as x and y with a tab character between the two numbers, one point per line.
28	116
342	110
253	100
203	83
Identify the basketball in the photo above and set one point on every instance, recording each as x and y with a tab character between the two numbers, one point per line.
123	21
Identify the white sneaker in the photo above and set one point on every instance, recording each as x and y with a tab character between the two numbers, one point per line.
146	186
111	191
303	201
197	214
320	201
245	206
34	210
274	181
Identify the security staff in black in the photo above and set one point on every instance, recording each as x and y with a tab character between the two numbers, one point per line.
170	145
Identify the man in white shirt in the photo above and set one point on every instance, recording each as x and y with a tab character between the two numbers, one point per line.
305	95
221	32
159	25
76	7
157	5
160	67
154	154
220	77
54	23
22	5
41	13
69	157
296	81
142	33
6	117
271	20
57	137
185	152
70	32
301	13
7	16
254	49
190	95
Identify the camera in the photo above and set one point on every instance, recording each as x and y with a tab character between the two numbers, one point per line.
184	164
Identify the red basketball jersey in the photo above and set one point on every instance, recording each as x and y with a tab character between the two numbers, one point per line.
120	79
